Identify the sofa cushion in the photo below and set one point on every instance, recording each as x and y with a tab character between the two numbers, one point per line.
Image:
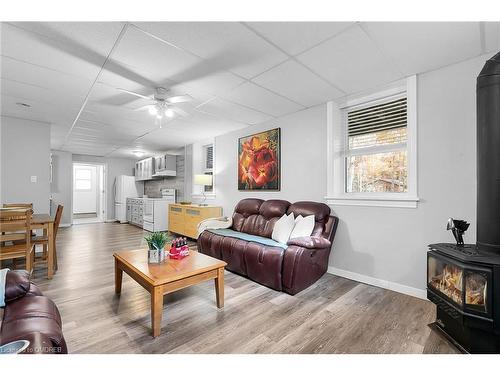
283	228
320	211
310	242
17	284
264	264
257	217
303	226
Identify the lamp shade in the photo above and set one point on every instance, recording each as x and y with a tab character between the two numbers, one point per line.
203	179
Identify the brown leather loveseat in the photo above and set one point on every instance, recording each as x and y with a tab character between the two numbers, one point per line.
28	315
290	270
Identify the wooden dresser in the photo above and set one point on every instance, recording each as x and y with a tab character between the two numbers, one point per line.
183	219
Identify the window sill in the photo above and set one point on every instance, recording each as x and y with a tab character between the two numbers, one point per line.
397	202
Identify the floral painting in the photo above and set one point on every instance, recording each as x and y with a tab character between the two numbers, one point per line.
259	161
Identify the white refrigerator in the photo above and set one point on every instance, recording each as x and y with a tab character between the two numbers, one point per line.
125	187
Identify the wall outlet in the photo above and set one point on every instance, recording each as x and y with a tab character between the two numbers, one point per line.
34	178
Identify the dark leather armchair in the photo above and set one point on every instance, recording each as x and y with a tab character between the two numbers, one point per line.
28	315
303	262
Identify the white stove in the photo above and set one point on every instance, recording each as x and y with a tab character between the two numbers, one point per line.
155	217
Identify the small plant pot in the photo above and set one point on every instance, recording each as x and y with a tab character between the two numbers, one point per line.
156	256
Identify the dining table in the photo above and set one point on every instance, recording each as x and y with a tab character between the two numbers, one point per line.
44	222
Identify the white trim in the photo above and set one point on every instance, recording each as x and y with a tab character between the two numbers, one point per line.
390	285
336	147
380	202
65	225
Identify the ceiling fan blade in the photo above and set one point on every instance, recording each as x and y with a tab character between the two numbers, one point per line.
144	107
179	111
136	94
179	99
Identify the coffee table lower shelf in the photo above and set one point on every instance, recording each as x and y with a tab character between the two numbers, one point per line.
168	277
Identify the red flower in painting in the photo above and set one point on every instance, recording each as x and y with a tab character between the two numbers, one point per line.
257	165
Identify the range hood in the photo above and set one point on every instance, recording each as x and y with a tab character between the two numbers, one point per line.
165	166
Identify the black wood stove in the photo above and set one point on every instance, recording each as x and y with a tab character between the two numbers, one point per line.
464	280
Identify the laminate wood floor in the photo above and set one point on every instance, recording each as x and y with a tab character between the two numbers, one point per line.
335	315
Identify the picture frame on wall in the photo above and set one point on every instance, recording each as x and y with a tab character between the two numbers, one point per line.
259	161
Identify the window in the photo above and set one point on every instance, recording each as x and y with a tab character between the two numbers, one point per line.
83	179
372	148
376	148
208	164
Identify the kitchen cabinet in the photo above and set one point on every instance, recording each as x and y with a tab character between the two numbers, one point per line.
165	165
144	169
135	211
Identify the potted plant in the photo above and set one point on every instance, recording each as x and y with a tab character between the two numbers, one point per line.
156	243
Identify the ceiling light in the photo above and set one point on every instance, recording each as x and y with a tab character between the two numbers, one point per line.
159	116
25	105
152	110
138	153
169	113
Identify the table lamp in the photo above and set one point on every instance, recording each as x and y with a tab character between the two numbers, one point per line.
203	180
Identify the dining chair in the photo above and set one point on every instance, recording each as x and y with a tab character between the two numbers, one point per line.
15	236
44	240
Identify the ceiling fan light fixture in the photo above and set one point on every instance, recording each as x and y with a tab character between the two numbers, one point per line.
152	110
169	113
138	153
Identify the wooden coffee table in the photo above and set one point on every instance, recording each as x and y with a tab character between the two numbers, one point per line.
167	277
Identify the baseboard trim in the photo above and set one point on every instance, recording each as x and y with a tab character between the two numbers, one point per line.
65	225
110	220
390	285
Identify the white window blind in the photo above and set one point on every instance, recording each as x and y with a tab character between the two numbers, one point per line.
390	115
209	157
376	158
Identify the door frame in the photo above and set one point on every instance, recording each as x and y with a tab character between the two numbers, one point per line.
101	198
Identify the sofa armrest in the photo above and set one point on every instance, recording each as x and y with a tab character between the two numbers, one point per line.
17	284
310	242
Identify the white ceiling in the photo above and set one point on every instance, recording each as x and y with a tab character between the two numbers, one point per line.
239	74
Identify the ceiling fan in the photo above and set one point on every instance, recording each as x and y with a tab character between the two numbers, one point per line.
162	104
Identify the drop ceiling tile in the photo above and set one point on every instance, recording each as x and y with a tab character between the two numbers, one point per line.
225	45
37	111
62	101
492	36
351	61
295	37
150	61
81	55
216	83
263	100
100	36
233	111
418	47
62	83
296	82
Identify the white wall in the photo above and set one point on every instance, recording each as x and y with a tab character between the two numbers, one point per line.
85	201
375	243
25	152
114	167
303	160
62	184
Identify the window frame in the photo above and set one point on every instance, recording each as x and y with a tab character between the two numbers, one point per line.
337	149
199	163
207	170
89	169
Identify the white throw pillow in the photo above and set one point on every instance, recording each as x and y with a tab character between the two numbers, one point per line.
303	226
282	228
